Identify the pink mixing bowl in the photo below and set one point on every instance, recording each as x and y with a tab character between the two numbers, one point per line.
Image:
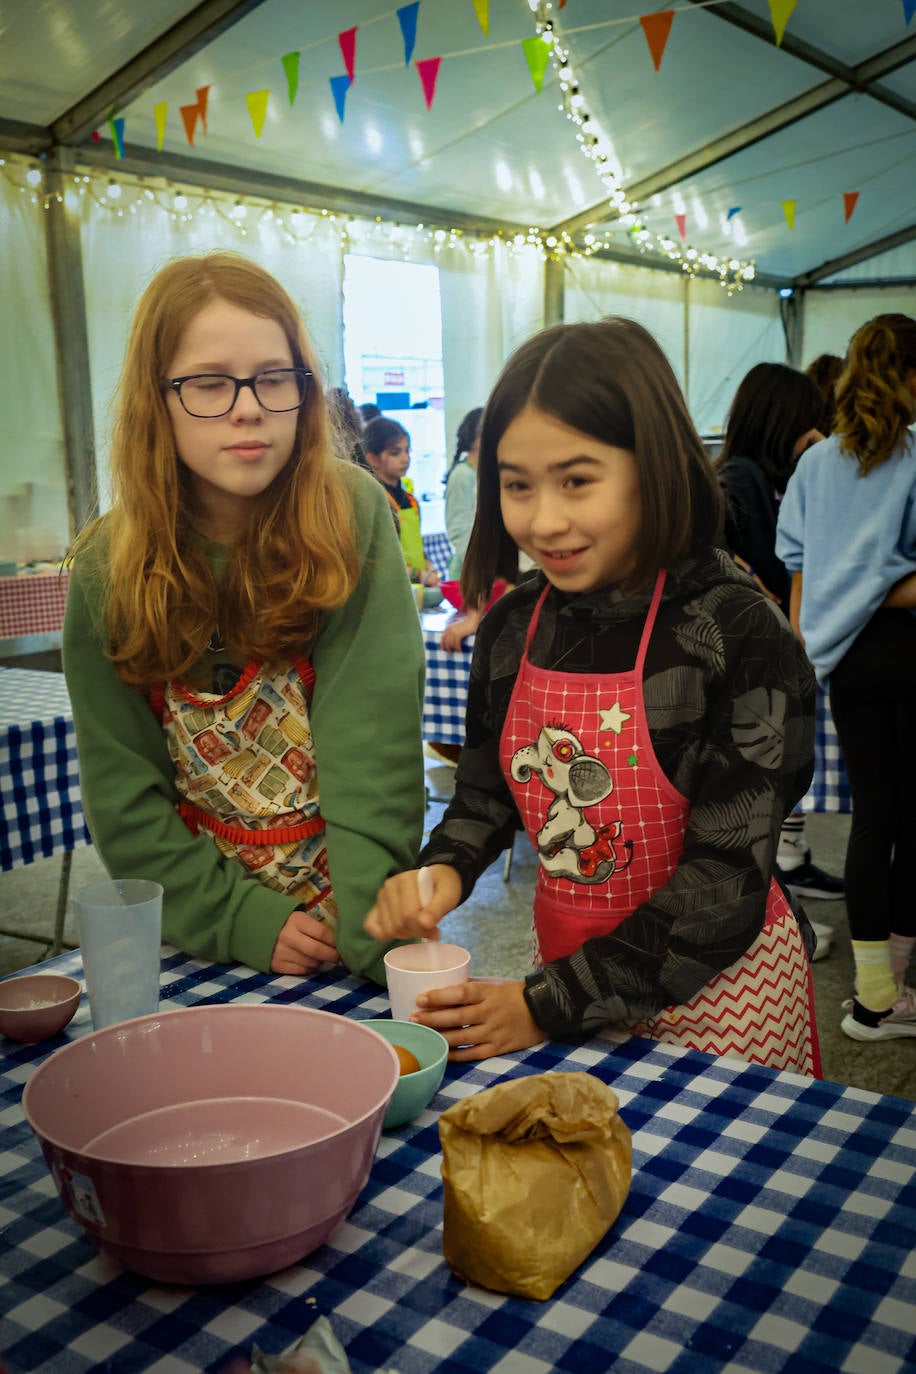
215	1143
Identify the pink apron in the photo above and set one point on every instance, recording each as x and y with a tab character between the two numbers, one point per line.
245	771
608	828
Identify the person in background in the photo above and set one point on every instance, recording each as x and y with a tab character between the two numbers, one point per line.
347	425
847	531
387	447
824	372
461	490
774	417
641	708
368	411
223	621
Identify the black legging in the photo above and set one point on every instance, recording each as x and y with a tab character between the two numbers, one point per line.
873	700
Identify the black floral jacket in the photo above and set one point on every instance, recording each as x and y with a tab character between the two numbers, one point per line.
729	697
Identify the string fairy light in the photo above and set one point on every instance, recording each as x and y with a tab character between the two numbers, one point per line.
731	271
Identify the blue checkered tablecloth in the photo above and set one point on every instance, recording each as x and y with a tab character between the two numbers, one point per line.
769	1227
438	549
40	809
446	697
830	789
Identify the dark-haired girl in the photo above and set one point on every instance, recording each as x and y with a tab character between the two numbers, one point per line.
387	448
847	530
640	708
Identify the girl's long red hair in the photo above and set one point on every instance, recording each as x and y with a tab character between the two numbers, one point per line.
297	555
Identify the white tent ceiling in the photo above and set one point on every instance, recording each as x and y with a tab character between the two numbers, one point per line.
730	119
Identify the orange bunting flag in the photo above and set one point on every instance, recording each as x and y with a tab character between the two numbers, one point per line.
347	41
290	62
257	109
788	209
849	204
429	71
202	94
482	10
780	12
160	114
657	27
190	114
681	222
537	55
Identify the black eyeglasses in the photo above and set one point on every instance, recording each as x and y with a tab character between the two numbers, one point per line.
207	395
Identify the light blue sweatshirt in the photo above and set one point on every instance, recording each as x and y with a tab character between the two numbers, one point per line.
851	537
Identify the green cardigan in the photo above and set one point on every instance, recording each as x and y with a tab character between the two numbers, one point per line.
365	716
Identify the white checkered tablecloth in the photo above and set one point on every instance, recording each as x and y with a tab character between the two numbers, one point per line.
33	603
438	549
830	789
769	1227
40	808
446	698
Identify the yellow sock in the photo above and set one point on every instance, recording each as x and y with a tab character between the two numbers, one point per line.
875	986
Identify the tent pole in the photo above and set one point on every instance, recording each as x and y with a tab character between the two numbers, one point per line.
68	314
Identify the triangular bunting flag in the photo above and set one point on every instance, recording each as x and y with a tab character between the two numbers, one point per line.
429	71
190	114
407	18
96	136
347	41
290	62
735	210
909	9
788	209
850	198
116	129
202	94
339	87
780	10
257	109
681	222
537	55
160	114
482	10
657	27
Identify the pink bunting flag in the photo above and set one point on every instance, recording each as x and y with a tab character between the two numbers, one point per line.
347	41
850	198
681	222
190	114
657	27
429	72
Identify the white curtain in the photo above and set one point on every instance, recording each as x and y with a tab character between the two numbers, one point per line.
121	255
33	490
832	317
596	287
727	336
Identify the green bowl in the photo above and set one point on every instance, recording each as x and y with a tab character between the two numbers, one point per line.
416	1090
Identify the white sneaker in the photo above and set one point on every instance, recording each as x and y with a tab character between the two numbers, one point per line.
823	935
899	1022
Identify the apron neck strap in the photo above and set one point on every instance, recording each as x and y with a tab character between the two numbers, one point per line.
647	628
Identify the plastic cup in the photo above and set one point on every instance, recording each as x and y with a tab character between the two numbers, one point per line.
412	969
120	930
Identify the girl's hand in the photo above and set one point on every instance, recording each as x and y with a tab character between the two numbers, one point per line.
431	578
304	944
481	1017
458	630
398	913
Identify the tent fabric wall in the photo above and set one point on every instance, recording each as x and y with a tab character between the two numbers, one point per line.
832	317
33	489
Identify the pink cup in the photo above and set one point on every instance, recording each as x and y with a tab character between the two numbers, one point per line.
412	969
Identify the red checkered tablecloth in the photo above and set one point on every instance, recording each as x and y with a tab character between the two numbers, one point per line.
33	603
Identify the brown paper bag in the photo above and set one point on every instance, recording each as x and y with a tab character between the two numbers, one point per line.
535	1171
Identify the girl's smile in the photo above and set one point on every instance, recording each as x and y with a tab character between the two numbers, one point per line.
569	501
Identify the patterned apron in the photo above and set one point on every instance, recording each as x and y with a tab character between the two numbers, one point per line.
608	828
245	770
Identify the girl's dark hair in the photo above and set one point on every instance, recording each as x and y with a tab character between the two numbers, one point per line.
824	372
874	402
379	433
468	431
608	379
773	407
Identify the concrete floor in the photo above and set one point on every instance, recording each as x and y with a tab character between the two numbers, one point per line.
496	923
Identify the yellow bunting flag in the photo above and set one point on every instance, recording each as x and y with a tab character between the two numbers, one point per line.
257	109
482	10
160	114
537	55
780	12
657	27
788	209
290	62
